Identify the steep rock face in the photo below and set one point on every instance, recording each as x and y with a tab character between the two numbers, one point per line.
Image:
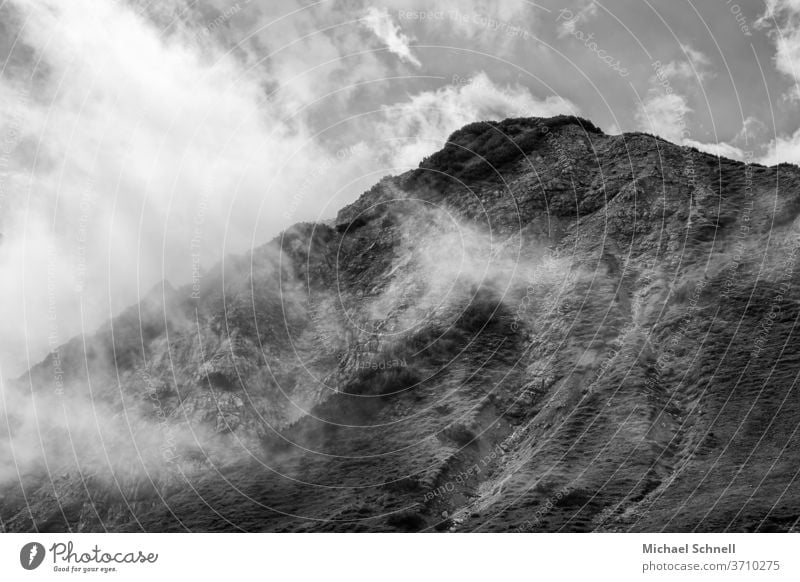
543	328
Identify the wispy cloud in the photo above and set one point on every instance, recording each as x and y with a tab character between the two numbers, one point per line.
722	148
663	114
413	129
666	114
380	22
782	20
783	149
569	21
665	110
131	143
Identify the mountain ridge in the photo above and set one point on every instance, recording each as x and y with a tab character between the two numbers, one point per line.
534	330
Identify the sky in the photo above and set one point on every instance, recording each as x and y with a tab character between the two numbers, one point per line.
143	141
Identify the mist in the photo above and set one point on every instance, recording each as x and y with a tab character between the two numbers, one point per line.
141	150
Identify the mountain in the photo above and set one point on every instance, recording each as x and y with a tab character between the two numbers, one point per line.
541	328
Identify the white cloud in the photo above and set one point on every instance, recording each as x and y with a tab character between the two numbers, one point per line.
695	67
782	19
783	149
752	129
664	110
489	25
698	58
723	149
426	120
569	21
139	135
381	24
772	8
663	114
307	52
132	143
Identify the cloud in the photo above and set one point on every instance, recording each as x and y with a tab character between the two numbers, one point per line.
129	144
753	129
664	110
783	149
695	67
137	150
742	145
415	128
569	21
492	26
381	24
133	142
782	19
664	114
723	149
696	57
310	56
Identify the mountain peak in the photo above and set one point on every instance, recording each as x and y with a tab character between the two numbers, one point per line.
479	150
534	281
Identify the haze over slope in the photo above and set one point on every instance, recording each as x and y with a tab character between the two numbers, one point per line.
543	328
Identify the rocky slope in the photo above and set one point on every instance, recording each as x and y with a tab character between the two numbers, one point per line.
543	328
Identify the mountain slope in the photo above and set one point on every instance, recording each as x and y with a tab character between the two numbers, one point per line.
543	328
